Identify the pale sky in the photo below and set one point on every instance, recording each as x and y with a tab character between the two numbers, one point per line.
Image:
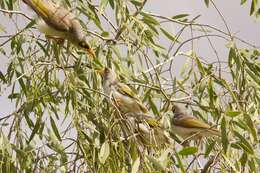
237	17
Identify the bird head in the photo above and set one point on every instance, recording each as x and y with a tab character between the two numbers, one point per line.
178	113
85	45
176	109
169	106
108	75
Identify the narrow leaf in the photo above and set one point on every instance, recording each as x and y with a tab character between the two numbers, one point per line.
233	113
206	2
136	165
180	165
251	126
245	143
169	36
242	2
224	138
104	152
35	129
188	151
180	16
55	129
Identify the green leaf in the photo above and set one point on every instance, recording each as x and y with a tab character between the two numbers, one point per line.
240	145
252	166
2	77
233	113
21	82
243	159
30	24
55	129
136	165
10	5
206	2
105	34
111	3
231	56
35	128
200	66
242	2
180	165
169	36
180	16
43	47
188	151
224	83
156	163
224	138
254	67
244	143
253	76
209	148
149	19
257	13
253	6
153	106
137	2
102	6
104	152
251	126
163	159
14	96
211	93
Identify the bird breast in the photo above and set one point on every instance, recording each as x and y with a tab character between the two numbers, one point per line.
125	103
43	27
184	132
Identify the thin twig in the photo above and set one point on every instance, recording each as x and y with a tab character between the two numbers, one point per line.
16	12
177	50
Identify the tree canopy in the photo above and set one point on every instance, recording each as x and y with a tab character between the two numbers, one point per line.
63	122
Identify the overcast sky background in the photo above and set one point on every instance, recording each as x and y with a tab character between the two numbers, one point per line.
237	17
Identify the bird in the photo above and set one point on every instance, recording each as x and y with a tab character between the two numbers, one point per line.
125	98
189	127
136	116
152	133
58	22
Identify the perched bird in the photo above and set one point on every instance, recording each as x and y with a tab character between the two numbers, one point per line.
152	136
189	127
152	133
147	132
125	99
58	22
138	122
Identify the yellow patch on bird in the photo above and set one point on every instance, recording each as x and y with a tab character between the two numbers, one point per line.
41	7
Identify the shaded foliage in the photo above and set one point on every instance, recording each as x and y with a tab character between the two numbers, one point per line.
63	121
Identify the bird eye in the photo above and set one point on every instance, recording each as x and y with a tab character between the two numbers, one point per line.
83	44
106	70
173	108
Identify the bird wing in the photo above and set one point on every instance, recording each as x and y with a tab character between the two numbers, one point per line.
56	16
125	90
190	122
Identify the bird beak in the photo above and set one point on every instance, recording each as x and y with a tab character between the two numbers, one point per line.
91	52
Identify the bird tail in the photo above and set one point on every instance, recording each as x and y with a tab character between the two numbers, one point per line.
41	7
